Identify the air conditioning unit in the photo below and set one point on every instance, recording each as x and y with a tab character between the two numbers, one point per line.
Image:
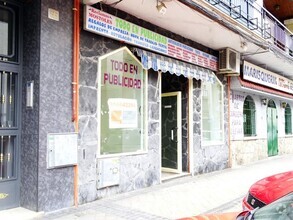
229	62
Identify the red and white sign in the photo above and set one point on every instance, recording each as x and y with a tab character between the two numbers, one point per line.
265	77
105	24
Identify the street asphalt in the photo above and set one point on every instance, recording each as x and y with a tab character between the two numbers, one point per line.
220	191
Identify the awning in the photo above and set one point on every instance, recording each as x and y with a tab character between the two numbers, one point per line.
166	64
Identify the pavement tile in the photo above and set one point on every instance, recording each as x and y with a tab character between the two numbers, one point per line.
220	191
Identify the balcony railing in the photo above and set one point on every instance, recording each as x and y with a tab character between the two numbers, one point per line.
258	20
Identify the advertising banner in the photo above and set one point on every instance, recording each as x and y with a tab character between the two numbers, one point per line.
105	24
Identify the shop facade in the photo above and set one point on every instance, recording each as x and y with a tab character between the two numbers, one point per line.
260	115
142	113
113	103
177	99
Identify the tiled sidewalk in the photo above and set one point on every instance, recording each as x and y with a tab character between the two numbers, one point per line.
213	192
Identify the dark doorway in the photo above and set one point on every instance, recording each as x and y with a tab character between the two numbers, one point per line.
172	83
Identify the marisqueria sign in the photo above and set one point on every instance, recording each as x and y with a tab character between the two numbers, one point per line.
265	77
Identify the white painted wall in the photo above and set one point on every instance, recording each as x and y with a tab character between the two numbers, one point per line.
259	2
236	116
245	150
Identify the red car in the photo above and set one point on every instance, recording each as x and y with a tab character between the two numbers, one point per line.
268	190
281	209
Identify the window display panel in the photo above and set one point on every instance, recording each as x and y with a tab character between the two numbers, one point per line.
212	112
4	38
122	103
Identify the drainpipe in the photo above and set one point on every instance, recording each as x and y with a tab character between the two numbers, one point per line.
75	76
229	126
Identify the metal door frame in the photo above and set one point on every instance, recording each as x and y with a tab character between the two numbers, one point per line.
15	67
15	131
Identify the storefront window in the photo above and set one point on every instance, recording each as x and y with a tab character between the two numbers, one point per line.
122	100
288	120
249	117
6	32
212	112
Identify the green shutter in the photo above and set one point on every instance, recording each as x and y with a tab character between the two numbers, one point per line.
288	121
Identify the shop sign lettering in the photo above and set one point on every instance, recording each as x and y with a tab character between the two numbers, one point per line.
236	115
265	77
105	24
122	74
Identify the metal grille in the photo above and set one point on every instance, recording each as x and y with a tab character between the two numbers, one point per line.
8	82
288	123
7	100
7	160
249	117
254	202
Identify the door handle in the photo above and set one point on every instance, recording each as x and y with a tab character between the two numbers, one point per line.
172	134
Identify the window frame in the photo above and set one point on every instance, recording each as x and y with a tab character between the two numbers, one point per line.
13	57
288	130
13	78
144	148
252	129
213	142
13	157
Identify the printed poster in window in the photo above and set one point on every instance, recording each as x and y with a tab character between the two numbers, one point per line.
122	113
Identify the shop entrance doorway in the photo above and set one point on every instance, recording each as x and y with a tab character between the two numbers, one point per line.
171	132
272	129
174	127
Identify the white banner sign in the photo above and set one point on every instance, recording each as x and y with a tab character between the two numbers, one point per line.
105	24
265	77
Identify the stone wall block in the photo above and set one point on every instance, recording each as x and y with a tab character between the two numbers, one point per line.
88	72
87	100
87	192
154	111
245	152
88	130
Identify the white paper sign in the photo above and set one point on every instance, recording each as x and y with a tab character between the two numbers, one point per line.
122	113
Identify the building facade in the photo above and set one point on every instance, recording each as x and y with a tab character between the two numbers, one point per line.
96	101
260	115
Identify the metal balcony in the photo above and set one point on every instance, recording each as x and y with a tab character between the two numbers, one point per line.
259	20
